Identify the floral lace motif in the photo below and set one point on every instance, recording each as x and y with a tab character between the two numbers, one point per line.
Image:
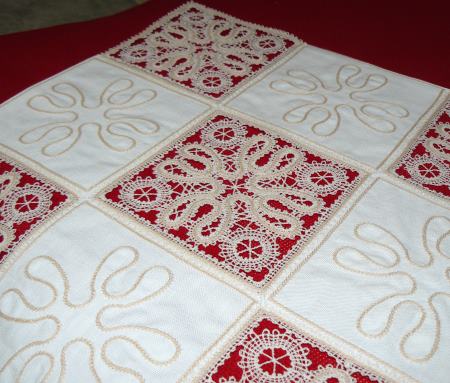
269	351
25	200
427	163
239	196
203	50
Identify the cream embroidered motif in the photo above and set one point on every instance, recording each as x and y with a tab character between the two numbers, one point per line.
117	116
203	50
17	309
239	196
396	262
321	106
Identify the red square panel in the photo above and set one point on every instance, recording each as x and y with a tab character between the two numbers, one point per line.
26	201
240	196
427	163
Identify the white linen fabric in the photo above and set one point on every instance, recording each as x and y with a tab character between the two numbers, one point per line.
90	112
346	105
381	281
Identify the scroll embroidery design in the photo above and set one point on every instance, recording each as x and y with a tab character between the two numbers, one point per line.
202	50
322	106
117	116
235	194
269	351
45	271
395	262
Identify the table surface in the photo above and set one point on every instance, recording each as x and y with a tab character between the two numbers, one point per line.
409	37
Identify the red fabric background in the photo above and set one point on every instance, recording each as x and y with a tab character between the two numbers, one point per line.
411	37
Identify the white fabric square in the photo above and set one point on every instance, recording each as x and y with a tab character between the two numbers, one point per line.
348	106
93	110
382	282
91	299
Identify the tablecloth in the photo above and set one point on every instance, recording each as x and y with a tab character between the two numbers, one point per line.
213	200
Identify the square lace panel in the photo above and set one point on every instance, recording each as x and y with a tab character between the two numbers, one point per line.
204	50
244	198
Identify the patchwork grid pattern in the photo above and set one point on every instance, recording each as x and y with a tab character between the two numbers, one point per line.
237	197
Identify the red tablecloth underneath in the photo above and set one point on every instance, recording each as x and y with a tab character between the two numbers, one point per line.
409	37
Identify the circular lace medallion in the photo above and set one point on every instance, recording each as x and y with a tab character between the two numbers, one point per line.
249	250
144	194
272	357
212	82
137	53
322	178
27	203
223	133
427	170
267	44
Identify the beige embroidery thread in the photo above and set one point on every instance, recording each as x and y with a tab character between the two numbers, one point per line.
99	318
371	113
115	106
30	359
371	260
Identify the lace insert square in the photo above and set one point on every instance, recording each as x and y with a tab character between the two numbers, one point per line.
427	162
204	50
238	195
26	200
270	351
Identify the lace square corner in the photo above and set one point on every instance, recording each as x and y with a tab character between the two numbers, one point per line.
271	351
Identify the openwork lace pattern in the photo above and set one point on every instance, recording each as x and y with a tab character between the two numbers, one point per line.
270	351
26	200
426	163
240	196
204	50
